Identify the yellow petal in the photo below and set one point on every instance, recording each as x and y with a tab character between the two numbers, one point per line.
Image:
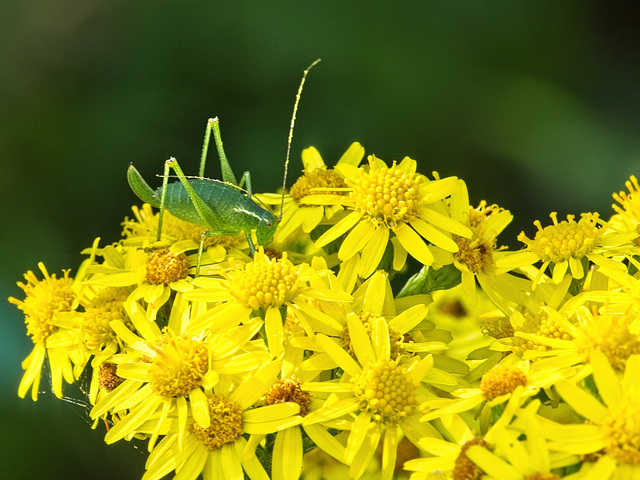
445	223
375	247
353	155
606	379
380	339
492	464
360	341
338	229
389	452
274	331
413	243
365	453
439	189
287	455
231	462
199	407
342	358
312	160
434	235
356	240
325	441
312	216
33	366
581	401
399	254
270	413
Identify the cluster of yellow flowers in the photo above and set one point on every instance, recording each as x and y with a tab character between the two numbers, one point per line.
320	355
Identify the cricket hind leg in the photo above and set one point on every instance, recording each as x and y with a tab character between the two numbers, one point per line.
245	182
208	233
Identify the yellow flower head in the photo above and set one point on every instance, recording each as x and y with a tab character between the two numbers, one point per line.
567	244
304	207
179	366
164	267
501	380
108	305
613	334
385	199
567	239
629	202
386	390
476	253
44	299
612	429
226	423
387	195
265	282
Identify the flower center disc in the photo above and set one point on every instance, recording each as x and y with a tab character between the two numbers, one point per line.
226	423
500	380
163	267
387	195
386	390
264	283
179	366
560	241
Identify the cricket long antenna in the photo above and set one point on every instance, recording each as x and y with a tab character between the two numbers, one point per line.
293	122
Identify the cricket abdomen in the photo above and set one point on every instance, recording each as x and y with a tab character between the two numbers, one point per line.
234	209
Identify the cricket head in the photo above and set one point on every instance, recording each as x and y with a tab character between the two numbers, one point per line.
266	229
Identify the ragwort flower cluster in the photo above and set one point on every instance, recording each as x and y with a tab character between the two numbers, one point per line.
323	354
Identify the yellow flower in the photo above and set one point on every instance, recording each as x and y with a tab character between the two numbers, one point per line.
45	300
261	287
449	457
153	273
172	371
316	181
394	199
288	446
382	395
628	212
221	450
515	458
612	430
566	245
479	256
512	381
614	334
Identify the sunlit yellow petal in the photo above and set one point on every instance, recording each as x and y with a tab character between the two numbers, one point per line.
287	455
582	402
445	223
325	441
338	229
372	254
338	354
274	330
492	464
311	159
365	453
356	240
389	452
434	235
199	407
360	340
413	243
353	155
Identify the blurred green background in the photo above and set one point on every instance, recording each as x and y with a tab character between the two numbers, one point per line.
534	104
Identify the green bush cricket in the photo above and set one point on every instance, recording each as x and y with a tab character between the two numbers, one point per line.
223	207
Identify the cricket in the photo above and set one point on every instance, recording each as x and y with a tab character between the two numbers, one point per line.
224	207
